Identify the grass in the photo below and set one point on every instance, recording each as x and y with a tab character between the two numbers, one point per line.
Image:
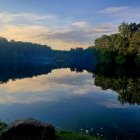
60	135
66	135
2	125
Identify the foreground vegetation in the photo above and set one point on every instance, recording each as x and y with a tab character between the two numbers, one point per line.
65	135
60	135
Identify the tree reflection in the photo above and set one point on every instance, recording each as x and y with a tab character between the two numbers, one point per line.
125	82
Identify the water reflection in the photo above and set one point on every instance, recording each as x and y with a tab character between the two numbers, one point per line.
58	85
125	82
71	100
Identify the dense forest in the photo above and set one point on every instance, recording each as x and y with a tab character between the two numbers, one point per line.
14	53
122	48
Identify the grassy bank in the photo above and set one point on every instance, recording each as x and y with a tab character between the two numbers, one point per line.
60	135
65	135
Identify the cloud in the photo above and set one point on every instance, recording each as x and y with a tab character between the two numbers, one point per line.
112	10
69	36
52	87
78	33
62	81
67	32
81	24
58	86
16	17
122	12
58	37
22	33
47	29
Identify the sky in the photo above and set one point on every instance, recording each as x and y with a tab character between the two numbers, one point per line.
64	24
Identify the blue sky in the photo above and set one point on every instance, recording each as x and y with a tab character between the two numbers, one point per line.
64	24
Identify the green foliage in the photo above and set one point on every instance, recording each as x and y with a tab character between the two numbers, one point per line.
104	42
60	135
135	43
12	52
124	46
120	59
137	60
65	135
125	30
2	125
17	53
105	56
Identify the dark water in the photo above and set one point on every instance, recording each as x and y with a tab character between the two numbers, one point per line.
74	101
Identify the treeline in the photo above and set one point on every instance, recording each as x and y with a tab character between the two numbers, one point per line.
12	52
23	59
122	48
16	53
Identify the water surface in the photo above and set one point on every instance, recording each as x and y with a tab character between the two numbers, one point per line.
69	100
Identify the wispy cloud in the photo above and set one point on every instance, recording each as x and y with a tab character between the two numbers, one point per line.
66	85
112	10
125	12
7	17
77	34
81	24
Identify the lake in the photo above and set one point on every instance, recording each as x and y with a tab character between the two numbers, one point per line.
70	100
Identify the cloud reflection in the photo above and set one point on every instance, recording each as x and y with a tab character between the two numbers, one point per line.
59	85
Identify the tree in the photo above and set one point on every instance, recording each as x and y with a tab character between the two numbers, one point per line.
125	45
137	60
120	59
103	42
124	30
135	43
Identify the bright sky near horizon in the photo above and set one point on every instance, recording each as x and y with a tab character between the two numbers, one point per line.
64	24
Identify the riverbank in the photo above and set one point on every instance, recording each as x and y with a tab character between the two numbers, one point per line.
65	135
59	135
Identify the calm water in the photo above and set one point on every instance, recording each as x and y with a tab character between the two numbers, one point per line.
71	101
